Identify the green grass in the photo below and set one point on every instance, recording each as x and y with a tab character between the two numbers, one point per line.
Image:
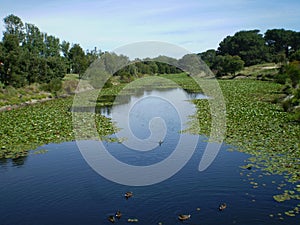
262	71
71	76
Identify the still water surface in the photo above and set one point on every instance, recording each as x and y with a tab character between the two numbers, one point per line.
59	187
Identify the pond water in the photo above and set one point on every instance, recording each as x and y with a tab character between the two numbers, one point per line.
59	187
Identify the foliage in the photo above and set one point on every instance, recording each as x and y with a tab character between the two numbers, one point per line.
28	127
258	127
28	55
290	76
276	45
151	67
77	59
249	45
227	65
282	41
295	56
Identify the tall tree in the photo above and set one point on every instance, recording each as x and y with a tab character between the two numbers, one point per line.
52	46
249	45
65	49
14	26
14	71
280	40
78	60
34	40
209	56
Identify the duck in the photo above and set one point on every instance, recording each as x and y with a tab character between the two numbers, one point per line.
128	194
183	217
222	206
111	219
118	214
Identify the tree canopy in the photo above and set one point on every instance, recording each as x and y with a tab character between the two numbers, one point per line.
252	47
28	55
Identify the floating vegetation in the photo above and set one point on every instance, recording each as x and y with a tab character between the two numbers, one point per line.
26	128
41	151
257	126
132	220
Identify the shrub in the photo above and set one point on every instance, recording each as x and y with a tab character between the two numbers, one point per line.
69	86
53	86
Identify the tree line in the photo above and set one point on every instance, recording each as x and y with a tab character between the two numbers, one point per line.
28	55
246	48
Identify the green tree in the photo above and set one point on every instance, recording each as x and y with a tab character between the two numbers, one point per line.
209	56
93	55
280	40
13	61
14	26
227	64
249	45
65	49
78	60
295	56
114	62
34	40
194	65
233	64
52	46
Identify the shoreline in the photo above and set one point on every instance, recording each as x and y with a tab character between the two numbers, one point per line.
31	102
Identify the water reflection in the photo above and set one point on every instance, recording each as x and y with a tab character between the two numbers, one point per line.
131	95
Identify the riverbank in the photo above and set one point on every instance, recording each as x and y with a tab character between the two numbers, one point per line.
13	98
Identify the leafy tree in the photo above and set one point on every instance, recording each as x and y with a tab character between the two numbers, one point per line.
153	67
232	64
52	46
194	65
295	41
280	40
65	49
114	62
224	65
280	58
209	56
34	40
93	55
13	62
14	26
295	56
249	45
56	68
78	60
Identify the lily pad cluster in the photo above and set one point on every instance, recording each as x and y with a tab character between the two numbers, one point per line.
26	128
257	126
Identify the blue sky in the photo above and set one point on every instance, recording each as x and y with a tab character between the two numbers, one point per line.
192	24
